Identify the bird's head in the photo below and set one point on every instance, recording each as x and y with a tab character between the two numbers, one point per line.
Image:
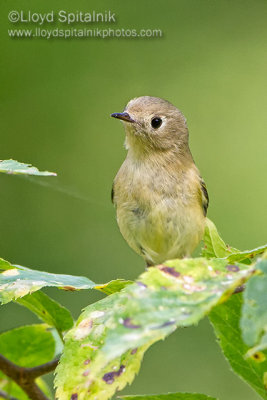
153	124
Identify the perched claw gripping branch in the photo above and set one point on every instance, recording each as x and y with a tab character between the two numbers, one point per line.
102	351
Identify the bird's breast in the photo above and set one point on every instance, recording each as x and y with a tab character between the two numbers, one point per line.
148	184
158	212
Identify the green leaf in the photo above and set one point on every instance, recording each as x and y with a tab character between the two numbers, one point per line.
4	265
247	254
225	320
104	349
28	346
214	246
48	310
17	281
169	396
80	354
18	168
113	286
254	312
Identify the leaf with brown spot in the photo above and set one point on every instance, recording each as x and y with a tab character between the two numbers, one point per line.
76	371
17	281
170	271
232	268
113	286
20	281
135	318
247	255
69	288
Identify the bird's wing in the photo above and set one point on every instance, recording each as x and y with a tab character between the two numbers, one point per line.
204	195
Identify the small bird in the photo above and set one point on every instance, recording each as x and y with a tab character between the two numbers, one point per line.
160	198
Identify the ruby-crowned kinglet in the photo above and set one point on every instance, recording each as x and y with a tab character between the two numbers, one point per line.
160	198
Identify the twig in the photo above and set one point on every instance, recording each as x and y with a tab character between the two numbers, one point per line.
42	369
25	377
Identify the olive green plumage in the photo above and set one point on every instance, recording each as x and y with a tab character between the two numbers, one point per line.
160	198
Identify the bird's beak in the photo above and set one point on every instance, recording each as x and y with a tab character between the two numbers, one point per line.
124	116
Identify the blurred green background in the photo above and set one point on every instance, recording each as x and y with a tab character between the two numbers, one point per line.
56	98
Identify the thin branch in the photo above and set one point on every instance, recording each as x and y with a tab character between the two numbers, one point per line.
25	377
42	369
9	368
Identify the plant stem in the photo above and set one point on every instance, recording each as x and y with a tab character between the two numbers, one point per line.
25	377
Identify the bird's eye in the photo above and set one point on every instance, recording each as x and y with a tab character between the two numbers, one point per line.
156	122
